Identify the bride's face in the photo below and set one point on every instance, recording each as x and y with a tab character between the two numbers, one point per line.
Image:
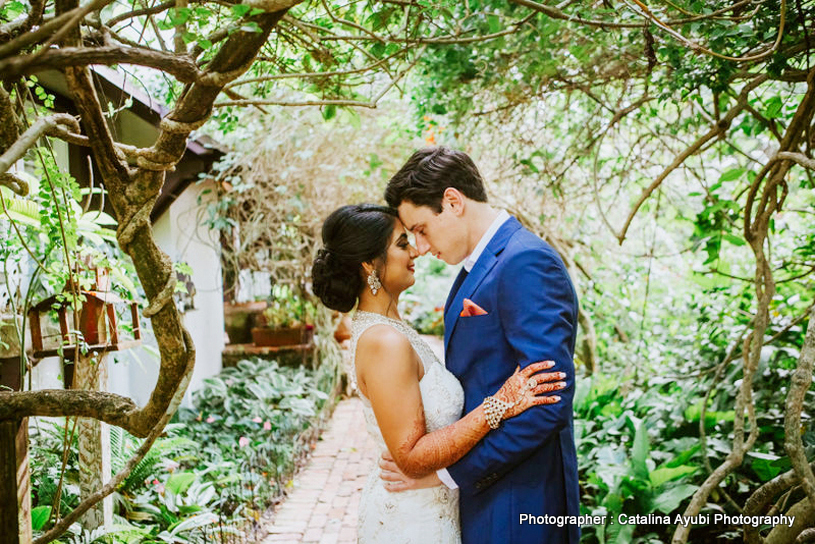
399	270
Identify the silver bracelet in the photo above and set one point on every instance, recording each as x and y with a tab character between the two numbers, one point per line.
494	410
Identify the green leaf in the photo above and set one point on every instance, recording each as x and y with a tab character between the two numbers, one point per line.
639	452
194	522
378	50
772	108
683	457
98	218
22	206
735	240
39	517
694	413
180	481
768	466
670	499
621	534
494	23
261	390
731	174
528	163
239	10
666	474
329	112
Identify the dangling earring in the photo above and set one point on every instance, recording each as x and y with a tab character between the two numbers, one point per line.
373	282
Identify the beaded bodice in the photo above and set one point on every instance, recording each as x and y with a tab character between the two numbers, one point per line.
442	395
415	516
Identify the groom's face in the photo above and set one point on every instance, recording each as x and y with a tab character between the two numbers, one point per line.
442	234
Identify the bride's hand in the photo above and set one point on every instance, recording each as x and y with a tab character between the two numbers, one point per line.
395	480
529	387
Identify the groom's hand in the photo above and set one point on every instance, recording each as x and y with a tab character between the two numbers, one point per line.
395	481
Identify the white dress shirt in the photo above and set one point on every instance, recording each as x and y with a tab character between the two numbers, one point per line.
472	258
469	262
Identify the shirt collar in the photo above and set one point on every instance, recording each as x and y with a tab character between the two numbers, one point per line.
470	261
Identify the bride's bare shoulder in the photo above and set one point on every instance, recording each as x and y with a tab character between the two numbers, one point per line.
383	339
385	361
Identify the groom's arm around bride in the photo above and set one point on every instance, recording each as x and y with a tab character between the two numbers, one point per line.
528	465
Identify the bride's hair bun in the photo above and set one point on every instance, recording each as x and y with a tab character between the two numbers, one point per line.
352	235
336	285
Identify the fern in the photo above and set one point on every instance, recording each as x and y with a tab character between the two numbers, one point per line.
123	445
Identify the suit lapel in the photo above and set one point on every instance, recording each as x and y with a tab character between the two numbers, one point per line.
466	288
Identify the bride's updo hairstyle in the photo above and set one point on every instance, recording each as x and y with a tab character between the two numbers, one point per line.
352	235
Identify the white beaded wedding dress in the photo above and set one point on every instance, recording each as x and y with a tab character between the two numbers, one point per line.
420	516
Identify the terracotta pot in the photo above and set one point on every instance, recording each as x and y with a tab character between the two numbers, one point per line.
264	336
239	318
343	330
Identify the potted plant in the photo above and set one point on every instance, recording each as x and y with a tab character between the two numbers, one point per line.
284	323
240	318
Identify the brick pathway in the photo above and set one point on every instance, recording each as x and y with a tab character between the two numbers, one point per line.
323	505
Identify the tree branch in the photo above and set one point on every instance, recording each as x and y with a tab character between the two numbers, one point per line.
108	407
305	75
15	184
34	18
45	30
649	15
555	13
803	516
338	102
716	130
799	158
800	384
158	8
43	126
114	482
183	68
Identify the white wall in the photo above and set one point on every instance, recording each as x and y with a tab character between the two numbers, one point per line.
200	249
181	234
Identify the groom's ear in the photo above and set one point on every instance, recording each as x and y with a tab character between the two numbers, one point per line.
453	199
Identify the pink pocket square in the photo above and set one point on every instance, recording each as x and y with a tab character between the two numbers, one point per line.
471	309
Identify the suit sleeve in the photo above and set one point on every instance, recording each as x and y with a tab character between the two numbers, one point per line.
538	314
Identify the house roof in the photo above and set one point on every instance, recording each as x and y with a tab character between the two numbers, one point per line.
116	87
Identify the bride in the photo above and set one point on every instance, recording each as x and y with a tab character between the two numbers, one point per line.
412	404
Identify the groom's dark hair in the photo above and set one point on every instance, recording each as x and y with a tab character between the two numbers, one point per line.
428	172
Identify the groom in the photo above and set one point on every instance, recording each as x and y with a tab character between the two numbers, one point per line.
525	311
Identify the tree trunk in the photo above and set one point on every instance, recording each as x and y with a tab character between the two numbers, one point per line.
94	444
15	485
588	348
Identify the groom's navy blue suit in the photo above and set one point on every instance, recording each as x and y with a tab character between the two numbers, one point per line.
528	465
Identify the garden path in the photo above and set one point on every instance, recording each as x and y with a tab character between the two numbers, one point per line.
322	506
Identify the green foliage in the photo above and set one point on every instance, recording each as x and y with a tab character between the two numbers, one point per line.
51	242
287	309
220	463
123	446
39	517
423	302
622	473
